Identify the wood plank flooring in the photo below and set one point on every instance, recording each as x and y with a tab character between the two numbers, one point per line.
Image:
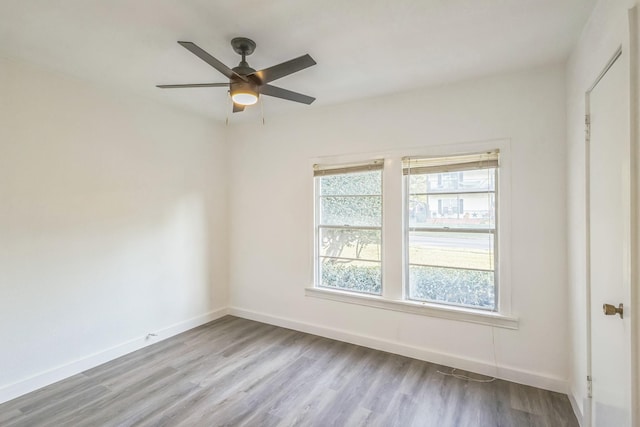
236	372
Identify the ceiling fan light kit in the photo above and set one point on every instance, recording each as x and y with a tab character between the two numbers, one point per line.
246	84
244	98
244	93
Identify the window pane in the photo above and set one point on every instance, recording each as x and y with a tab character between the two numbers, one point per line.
464	210
349	243
351	210
477	180
358	276
358	183
452	286
350	258
471	180
450	249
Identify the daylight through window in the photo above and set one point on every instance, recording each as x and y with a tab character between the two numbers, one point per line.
450	239
349	227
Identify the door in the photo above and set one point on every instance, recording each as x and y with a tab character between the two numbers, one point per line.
609	227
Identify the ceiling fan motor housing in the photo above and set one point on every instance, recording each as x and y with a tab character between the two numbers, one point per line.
239	86
243	69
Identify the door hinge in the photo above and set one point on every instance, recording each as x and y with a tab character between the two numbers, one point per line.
587	128
589	386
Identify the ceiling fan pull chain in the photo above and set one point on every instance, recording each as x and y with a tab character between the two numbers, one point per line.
231	102
262	109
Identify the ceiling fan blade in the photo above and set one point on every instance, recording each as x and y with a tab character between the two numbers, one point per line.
193	85
193	48
286	94
284	69
237	108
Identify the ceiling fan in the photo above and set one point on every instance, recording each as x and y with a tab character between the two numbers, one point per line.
246	84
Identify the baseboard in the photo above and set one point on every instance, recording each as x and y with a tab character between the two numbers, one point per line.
51	376
577	410
510	374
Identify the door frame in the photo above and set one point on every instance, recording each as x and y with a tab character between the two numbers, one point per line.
629	45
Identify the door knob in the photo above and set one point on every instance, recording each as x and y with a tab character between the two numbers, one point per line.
610	310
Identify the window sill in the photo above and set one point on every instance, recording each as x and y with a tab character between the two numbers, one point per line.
423	308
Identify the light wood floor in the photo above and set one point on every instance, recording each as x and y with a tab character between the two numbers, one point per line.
236	372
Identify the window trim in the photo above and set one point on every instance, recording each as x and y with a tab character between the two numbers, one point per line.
463	314
393	276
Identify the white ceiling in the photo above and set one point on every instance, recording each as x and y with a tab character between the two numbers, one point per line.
363	48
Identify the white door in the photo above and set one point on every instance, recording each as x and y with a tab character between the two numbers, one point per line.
609	205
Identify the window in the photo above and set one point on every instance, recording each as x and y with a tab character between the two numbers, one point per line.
450	239
349	227
419	232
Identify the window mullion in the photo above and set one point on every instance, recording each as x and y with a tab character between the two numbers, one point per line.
452	230
392	241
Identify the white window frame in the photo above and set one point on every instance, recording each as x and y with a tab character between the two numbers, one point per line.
378	164
393	253
493	231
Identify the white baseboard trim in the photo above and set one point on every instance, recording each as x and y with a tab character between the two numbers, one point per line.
577	410
11	391
510	374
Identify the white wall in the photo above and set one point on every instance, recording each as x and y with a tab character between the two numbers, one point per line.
113	224
271	218
599	40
